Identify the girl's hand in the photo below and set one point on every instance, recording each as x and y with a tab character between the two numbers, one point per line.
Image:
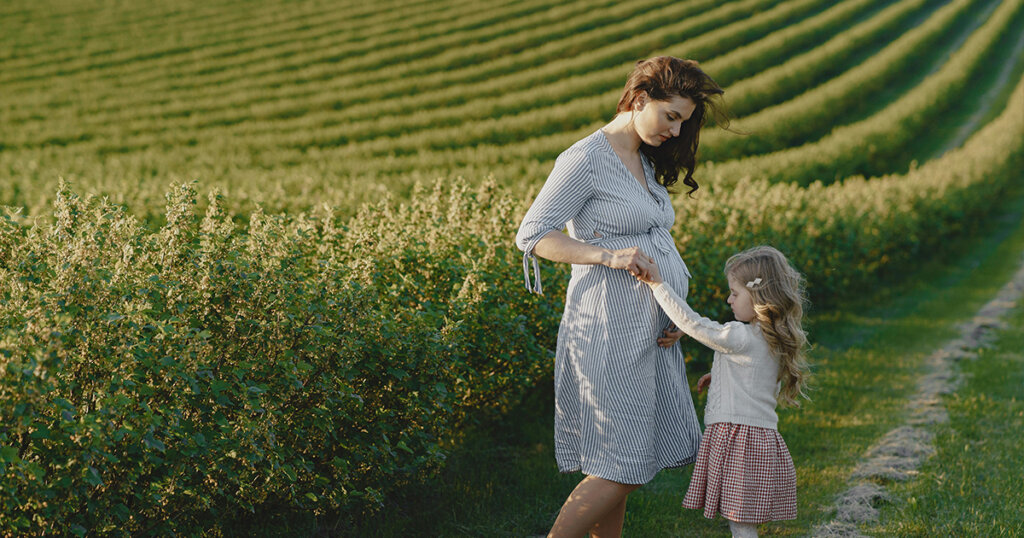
703	382
672	335
635	261
655	274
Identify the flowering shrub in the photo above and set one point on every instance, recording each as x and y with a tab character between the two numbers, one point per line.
166	381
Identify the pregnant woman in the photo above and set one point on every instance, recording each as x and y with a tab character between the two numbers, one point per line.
623	409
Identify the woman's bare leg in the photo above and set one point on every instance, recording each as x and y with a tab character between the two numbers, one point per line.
610	526
594	501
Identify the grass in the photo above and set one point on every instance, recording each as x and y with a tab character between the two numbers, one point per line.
867	358
971	487
988	96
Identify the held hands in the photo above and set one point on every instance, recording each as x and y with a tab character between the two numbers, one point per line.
672	335
638	263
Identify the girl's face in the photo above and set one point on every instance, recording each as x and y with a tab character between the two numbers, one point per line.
740	300
657	121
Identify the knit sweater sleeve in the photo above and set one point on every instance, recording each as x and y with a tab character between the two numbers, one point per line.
730	338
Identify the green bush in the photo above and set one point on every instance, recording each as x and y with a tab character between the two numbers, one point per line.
169	381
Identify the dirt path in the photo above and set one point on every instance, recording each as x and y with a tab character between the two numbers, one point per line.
898	454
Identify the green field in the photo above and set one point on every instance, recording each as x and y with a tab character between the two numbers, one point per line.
255	254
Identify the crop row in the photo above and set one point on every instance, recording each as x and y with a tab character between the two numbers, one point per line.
818	111
320	89
900	122
368	121
881	142
499	130
841	53
220	25
710	43
379	118
468	36
286	177
255	40
291	50
104	39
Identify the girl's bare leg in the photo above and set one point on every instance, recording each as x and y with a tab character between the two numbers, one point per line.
743	530
596	504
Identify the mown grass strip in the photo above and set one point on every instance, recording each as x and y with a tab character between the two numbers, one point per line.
880	143
818	110
843	52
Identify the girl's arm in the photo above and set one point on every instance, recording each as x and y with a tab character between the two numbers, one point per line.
727	338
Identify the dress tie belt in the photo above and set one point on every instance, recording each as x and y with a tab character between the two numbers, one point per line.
535	287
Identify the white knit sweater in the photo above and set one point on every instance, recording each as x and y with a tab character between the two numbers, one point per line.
744	375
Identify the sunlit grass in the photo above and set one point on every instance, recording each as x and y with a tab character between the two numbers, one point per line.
971	487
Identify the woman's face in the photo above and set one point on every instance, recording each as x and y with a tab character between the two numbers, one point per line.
657	121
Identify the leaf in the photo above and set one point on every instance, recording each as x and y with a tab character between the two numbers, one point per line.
398	372
153	442
92	476
9	454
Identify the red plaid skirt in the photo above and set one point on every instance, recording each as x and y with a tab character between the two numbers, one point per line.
745	473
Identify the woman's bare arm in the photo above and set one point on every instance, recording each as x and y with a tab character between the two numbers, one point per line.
558	247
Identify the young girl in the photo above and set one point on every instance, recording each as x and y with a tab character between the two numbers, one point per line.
743	469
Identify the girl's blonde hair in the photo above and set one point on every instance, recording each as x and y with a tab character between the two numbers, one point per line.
777	290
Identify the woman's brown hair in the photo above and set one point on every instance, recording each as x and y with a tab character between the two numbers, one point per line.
661	78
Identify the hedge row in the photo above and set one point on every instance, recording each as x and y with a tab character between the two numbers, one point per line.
169	381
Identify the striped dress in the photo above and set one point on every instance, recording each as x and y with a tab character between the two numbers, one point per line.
623	409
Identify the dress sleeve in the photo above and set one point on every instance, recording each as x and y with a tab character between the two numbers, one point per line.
564	194
566	190
732	337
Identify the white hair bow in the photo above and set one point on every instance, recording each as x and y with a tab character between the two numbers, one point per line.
754	282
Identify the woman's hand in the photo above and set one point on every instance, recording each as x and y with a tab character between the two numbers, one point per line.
634	260
703	382
672	335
